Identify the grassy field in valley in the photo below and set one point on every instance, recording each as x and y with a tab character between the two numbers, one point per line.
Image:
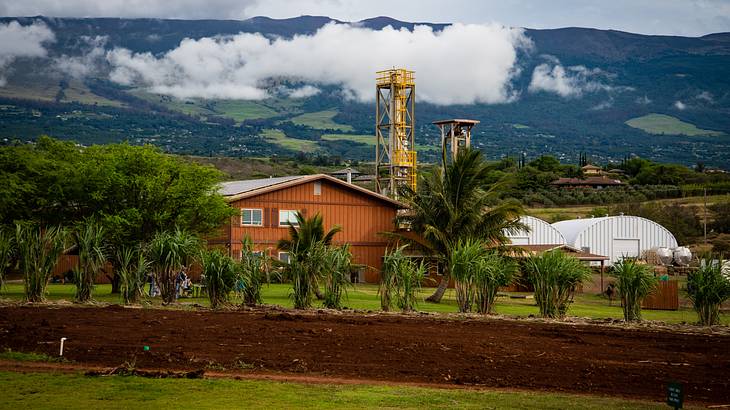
365	297
278	138
665	124
322	120
51	391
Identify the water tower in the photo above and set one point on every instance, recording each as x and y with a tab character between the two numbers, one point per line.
455	136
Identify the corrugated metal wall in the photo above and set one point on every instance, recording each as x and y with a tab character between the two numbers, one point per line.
600	236
361	217
541	233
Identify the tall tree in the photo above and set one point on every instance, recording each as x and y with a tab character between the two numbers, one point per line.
455	205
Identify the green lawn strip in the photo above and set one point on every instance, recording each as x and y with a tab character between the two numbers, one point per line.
365	297
666	124
243	110
75	391
8	354
322	120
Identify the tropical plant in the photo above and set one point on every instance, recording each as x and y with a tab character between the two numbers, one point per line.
253	273
132	267
38	252
168	253
7	248
494	272
554	275
304	275
88	237
307	246
220	272
464	263
456	204
338	265
634	281
400	281
708	288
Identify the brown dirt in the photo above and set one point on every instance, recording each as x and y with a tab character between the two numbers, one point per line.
557	357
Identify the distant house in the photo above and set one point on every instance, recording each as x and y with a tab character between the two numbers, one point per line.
267	207
591	170
589	182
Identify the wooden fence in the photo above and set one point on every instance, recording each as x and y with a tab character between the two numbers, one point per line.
665	297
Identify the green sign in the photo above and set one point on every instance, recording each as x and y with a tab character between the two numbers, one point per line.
675	394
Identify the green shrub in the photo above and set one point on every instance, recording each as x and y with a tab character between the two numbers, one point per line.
220	276
253	274
402	277
89	240
494	272
338	265
168	253
554	275
38	253
7	247
132	267
707	288
634	282
464	263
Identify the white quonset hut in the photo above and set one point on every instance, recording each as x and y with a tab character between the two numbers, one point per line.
540	233
615	236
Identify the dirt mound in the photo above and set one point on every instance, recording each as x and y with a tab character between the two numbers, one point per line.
574	357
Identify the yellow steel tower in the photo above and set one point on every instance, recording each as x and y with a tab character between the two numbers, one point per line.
395	155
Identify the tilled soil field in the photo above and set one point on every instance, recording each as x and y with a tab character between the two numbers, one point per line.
519	354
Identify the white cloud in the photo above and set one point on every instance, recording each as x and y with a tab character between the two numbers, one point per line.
17	41
680	105
86	63
706	96
567	82
303	92
643	100
462	64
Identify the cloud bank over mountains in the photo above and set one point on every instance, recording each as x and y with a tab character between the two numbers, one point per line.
462	64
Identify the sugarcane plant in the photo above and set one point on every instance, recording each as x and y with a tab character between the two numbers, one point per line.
464	262
253	273
88	237
221	273
7	248
38	252
168	253
338	265
554	276
708	288
133	267
401	279
634	281
493	272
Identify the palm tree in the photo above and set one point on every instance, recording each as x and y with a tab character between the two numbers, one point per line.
455	205
302	246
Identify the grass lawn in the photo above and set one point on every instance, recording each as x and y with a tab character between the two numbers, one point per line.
362	139
321	120
75	391
243	110
365	297
278	138
666	124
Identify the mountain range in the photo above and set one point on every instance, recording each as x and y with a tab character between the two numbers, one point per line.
607	93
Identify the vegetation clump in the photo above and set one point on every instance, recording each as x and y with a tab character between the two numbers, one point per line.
634	281
132	265
554	276
88	238
38	252
253	274
168	253
220	272
708	288
401	280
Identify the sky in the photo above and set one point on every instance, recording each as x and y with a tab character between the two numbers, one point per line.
668	17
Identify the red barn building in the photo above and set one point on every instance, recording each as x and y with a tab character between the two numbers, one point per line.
266	206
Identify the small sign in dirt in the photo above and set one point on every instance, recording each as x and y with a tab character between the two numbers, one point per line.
675	394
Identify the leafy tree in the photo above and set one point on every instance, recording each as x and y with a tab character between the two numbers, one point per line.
453	205
721	211
708	288
555	275
546	163
38	252
89	240
634	281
